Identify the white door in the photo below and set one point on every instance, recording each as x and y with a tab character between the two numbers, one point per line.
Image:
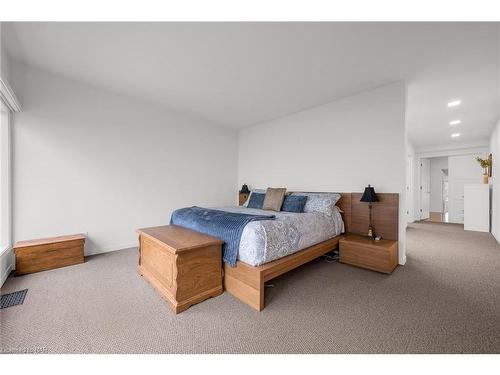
425	188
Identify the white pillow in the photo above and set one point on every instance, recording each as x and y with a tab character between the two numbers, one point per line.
323	203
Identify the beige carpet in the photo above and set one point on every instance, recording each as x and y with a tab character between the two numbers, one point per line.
445	300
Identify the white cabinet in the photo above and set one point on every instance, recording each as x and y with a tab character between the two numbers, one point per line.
477	207
462	170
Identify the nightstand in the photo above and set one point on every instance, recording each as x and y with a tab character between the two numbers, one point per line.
243	198
381	256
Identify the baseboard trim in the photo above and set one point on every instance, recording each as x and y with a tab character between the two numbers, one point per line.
495	237
402	262
110	249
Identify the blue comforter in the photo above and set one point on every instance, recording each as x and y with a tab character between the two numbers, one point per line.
225	225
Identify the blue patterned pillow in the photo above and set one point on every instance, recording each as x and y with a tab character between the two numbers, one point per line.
294	203
256	200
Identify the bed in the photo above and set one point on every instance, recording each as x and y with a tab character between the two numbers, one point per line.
264	241
269	249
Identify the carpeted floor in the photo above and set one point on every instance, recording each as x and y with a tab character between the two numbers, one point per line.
445	300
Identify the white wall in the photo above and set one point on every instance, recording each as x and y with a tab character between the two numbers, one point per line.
341	146
4	60
494	148
87	160
437	165
495	182
1	50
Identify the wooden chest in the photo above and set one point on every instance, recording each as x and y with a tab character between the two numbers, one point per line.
184	266
48	253
381	256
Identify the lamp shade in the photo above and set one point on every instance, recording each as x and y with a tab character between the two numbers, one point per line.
244	189
369	195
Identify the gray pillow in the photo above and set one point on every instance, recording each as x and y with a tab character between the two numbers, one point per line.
274	199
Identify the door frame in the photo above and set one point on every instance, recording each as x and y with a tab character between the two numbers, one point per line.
420	187
410	196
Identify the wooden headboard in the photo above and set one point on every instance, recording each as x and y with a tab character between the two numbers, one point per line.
385	214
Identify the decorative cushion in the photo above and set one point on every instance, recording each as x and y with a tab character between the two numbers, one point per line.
294	203
256	200
274	199
323	203
262	191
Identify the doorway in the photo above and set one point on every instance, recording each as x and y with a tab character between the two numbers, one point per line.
434	189
442	181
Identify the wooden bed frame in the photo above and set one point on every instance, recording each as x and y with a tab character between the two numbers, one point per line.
246	282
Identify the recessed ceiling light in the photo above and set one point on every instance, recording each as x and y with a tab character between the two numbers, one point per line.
455	135
454	103
455	122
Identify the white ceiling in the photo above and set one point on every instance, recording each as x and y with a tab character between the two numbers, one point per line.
240	74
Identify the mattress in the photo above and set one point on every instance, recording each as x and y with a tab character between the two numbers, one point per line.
268	240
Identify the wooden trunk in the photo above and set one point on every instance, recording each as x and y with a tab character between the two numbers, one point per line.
48	253
184	266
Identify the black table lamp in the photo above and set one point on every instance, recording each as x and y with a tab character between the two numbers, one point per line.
369	197
244	189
